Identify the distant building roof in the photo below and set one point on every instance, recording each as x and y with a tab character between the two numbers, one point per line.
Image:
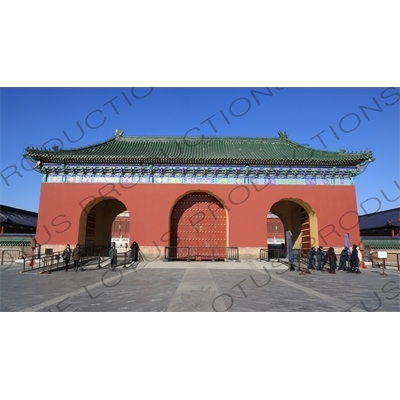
15	240
382	219
17	217
182	150
382	242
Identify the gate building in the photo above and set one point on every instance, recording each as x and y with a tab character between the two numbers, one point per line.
197	198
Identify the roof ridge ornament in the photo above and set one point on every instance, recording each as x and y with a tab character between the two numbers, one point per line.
283	135
118	133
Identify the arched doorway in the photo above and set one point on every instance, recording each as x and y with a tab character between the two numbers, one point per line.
298	217
275	236
198	223
95	225
120	232
275	230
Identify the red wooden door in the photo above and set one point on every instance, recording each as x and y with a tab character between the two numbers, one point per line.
198	222
305	231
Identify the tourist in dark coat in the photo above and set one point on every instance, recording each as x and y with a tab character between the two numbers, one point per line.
66	255
354	260
113	257
343	259
320	257
76	256
310	256
135	251
332	260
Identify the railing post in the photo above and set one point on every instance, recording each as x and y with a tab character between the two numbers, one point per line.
188	256
98	265
383	272
398	265
213	256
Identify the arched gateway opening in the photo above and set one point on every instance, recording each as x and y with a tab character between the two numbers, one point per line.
298	217
95	225
198	228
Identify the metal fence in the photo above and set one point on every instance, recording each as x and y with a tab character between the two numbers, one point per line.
199	253
53	261
393	260
270	254
10	255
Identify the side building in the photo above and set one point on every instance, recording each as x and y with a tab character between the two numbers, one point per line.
197	197
18	227
381	223
15	220
380	232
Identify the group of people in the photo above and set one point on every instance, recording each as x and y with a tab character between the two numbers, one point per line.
76	254
329	258
113	254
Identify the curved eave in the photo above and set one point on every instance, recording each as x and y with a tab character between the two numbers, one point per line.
170	150
113	159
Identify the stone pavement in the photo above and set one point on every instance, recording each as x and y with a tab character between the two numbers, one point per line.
198	286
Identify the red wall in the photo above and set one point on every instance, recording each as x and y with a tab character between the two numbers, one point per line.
150	206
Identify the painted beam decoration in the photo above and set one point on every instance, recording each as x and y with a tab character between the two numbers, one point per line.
167	160
198	175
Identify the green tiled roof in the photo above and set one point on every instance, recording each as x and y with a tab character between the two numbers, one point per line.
181	150
382	244
10	241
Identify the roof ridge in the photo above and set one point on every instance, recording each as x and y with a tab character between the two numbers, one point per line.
71	149
204	149
379	212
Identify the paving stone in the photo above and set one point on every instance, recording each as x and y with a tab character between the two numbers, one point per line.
158	286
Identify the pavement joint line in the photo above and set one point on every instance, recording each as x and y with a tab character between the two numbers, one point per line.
187	279
342	304
330	299
60	299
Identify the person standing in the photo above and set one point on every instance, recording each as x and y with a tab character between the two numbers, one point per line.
33	246
135	251
343	259
76	256
310	256
113	257
66	255
320	257
33	249
332	260
354	260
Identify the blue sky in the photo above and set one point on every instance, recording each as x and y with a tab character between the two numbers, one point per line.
323	118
